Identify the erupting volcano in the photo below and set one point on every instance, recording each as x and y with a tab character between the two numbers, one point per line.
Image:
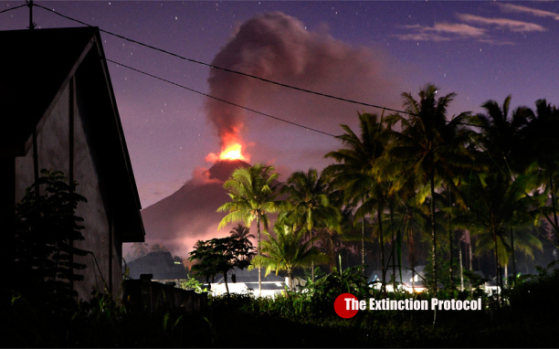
190	214
231	152
276	47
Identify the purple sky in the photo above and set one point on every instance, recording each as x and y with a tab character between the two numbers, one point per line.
370	51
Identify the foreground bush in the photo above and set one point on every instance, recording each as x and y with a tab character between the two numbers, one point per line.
102	322
529	319
294	321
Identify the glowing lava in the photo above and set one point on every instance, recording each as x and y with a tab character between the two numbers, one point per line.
231	152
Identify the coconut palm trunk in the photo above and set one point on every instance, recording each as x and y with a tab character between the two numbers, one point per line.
225	279
433	232
411	247
513	257
497	274
553	203
393	246
461	267
260	254
470	253
363	243
312	262
290	276
450	239
383	269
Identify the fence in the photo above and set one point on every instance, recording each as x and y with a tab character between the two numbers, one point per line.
144	293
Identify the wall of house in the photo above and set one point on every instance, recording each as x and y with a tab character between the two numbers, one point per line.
95	213
53	150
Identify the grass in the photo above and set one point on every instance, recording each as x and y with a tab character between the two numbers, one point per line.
242	321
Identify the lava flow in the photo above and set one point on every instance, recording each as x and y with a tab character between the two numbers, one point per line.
231	152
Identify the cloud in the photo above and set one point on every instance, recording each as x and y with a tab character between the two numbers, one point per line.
422	37
438	31
459	29
495	42
529	10
502	23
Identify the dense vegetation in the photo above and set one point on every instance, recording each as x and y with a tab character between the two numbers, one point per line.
298	321
403	183
422	183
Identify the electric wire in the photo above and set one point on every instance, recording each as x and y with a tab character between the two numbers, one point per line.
234	72
221	100
13	8
226	69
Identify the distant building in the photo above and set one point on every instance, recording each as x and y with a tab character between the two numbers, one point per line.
160	264
247	281
410	281
58	111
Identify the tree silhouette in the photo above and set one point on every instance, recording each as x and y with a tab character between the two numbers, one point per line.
218	256
357	174
45	231
308	204
252	193
433	148
287	251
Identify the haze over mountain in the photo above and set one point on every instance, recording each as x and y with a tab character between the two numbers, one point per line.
190	214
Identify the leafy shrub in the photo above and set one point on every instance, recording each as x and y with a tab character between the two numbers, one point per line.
536	294
42	241
323	292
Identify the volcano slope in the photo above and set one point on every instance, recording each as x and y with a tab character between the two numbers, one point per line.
190	214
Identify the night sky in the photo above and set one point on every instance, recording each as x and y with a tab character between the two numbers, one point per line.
369	51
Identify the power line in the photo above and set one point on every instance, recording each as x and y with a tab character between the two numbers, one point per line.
13	8
226	69
229	71
221	100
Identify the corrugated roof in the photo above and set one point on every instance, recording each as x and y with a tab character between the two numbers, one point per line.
250	276
159	264
406	275
265	286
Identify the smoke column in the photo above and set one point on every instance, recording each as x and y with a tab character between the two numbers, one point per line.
278	47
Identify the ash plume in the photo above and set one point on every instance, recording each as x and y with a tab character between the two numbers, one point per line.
278	47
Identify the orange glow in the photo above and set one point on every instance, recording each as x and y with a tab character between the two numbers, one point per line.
231	152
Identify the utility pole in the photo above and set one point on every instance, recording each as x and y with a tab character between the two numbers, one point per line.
31	23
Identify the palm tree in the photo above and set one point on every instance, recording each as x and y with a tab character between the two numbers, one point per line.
434	149
540	148
309	205
356	173
287	251
252	192
501	138
501	134
240	233
494	207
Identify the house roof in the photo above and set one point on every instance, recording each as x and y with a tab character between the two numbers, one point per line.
36	67
159	264
265	286
249	276
406	275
